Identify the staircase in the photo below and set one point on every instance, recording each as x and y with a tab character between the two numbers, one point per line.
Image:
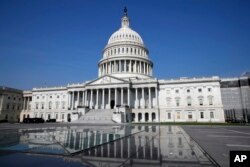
97	116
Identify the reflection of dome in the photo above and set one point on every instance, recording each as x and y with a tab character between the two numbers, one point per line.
125	55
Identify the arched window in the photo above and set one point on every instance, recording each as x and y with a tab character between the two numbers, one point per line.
153	117
146	117
139	117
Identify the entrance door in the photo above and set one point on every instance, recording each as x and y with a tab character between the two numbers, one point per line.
112	104
68	118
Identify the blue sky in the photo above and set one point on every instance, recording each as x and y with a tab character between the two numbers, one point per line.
56	42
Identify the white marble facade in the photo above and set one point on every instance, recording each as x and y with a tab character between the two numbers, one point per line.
125	77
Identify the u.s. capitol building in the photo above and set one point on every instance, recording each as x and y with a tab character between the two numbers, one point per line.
126	91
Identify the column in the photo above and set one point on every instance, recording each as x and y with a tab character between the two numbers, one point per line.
144	69
140	67
115	96
69	99
106	68
125	65
121	96
149	97
97	98
78	98
91	98
128	97
83	95
156	97
120	66
109	98
24	103
143	98
136	97
103	93
86	97
72	100
130	65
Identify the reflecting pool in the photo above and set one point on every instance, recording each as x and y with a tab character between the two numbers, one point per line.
102	146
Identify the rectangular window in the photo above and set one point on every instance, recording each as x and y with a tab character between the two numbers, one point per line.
62	116
177	102
190	116
56	116
169	115
211	115
202	115
178	115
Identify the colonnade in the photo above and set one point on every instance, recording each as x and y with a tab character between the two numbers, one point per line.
26	103
109	98
132	66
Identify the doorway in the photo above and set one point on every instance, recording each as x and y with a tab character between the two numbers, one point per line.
112	104
68	118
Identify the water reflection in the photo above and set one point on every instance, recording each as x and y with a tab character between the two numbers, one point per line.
114	146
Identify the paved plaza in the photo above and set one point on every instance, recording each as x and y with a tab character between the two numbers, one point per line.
119	145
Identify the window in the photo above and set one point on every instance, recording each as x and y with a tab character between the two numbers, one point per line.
14	98
178	115
168	101
201	101
202	115
188	90
211	115
210	100
43	97
56	116
50	105
51	97
37	106
190	116
42	105
9	97
58	96
57	105
176	91
169	115
209	90
8	106
189	101
37	97
62	116
200	90
177	100
41	115
63	105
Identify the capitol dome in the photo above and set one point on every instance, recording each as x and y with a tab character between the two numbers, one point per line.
125	55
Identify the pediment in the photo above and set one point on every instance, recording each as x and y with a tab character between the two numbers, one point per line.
107	80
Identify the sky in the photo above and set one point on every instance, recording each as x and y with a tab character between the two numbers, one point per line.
56	42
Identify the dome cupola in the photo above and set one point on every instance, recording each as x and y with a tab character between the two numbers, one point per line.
125	55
